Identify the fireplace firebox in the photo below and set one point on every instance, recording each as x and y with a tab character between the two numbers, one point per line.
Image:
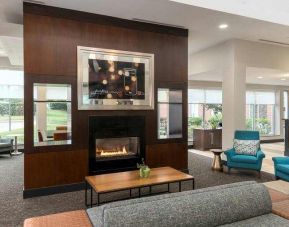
116	143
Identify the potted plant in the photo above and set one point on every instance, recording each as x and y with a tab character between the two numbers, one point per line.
215	120
144	170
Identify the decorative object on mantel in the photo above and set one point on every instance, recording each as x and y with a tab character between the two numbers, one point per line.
144	170
114	79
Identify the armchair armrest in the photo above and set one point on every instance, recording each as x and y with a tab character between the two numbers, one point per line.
281	160
229	153
260	155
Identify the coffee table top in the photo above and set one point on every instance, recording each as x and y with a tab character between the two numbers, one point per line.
130	179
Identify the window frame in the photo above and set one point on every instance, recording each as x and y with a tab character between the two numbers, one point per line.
204	89
254	106
173	86
36	145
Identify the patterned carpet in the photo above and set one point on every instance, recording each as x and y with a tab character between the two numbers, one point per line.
14	209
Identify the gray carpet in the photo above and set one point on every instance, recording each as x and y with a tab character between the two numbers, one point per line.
14	209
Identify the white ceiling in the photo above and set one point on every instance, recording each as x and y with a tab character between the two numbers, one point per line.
269	76
13	47
267	10
11	34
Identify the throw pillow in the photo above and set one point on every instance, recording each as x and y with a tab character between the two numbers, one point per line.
246	147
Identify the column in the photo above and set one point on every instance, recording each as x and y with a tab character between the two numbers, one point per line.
234	100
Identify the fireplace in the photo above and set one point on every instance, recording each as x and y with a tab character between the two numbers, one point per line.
116	143
116	147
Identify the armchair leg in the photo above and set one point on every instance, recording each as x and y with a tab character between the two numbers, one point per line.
277	178
229	170
259	174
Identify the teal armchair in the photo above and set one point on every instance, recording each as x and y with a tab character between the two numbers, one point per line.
281	166
238	161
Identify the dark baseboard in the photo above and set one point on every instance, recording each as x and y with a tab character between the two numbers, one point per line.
29	193
272	141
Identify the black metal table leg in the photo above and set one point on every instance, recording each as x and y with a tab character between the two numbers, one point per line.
180	186
193	184
150	190
139	192
98	199
168	187
86	194
91	193
130	193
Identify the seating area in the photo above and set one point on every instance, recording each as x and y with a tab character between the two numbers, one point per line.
245	161
144	113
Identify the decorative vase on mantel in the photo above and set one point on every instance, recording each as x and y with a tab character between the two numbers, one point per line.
144	170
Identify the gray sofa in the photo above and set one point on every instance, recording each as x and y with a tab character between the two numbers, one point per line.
6	146
238	204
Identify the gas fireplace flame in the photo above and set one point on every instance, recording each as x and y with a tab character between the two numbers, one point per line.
112	152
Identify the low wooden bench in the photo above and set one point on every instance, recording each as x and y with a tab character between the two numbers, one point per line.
281	209
280	203
76	218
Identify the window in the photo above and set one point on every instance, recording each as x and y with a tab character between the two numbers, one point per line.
260	111
285	104
11	105
204	109
52	114
169	113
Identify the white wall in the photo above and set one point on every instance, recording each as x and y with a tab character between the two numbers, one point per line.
261	55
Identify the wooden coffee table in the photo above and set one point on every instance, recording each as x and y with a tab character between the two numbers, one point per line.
113	182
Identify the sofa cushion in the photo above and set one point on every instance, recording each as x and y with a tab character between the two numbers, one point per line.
267	220
283	168
246	147
245	159
201	208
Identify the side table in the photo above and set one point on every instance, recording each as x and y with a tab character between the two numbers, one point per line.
217	162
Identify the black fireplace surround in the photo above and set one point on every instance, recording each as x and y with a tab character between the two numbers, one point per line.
112	129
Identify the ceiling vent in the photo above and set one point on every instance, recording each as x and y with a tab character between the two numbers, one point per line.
274	42
157	23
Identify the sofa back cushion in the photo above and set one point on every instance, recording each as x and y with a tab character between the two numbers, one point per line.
201	208
246	147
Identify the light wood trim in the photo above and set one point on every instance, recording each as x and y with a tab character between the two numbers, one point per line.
130	179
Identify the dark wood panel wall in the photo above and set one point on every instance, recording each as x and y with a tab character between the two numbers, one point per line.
51	36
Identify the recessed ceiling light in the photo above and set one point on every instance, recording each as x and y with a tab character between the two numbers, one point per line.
283	78
223	26
260	77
